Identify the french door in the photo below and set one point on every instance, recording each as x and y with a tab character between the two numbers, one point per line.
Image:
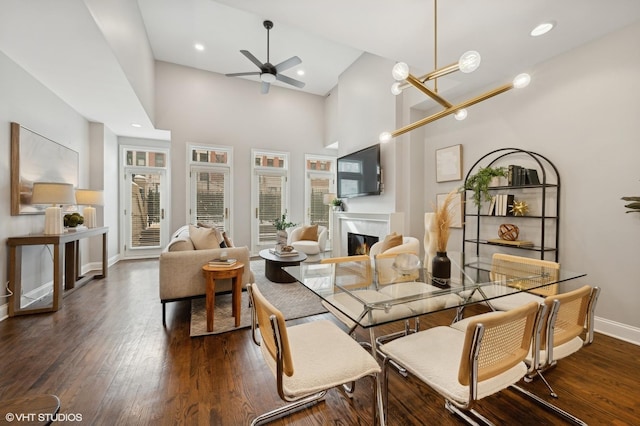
145	225
210	197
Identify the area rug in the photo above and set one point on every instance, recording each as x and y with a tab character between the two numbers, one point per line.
292	299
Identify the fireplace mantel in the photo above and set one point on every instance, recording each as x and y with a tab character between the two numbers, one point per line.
376	224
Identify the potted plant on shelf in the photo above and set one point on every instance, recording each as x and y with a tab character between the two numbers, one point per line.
336	203
281	225
479	183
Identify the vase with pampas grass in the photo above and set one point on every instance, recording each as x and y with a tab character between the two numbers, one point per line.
441	264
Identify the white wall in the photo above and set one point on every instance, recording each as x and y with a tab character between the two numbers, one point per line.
208	108
29	103
581	111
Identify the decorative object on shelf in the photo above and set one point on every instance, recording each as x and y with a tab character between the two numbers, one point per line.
479	183
468	62
441	264
509	232
281	225
635	204
337	204
72	220
520	208
55	194
429	239
89	198
449	163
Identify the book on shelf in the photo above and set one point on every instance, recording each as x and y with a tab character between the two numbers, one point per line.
283	253
509	205
517	243
532	177
492	206
222	262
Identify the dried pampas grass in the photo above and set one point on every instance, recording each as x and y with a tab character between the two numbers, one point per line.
443	219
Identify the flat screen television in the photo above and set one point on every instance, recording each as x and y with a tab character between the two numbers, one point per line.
359	173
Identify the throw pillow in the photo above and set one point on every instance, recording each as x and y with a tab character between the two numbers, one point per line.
227	240
309	233
203	238
218	234
391	240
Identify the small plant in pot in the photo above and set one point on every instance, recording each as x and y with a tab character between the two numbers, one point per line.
281	225
336	203
479	183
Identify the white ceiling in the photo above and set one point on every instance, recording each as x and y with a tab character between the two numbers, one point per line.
46	38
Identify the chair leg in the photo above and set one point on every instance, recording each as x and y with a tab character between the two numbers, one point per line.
164	314
470	416
567	416
288	409
551	391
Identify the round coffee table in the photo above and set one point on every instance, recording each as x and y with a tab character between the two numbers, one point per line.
273	265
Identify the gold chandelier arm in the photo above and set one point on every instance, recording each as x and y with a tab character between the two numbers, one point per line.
424	89
452	109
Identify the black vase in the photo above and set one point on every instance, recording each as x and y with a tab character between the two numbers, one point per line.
440	269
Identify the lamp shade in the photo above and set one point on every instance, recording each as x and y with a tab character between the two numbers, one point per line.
53	193
328	198
89	197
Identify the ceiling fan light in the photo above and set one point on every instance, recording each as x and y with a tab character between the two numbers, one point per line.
384	137
469	61
395	88
400	71
267	77
521	80
460	114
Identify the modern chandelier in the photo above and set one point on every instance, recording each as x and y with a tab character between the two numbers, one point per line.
468	62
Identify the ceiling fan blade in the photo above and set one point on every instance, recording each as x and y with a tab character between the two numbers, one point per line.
289	80
239	74
265	88
252	58
291	62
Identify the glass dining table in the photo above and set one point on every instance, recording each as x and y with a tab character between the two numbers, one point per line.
367	303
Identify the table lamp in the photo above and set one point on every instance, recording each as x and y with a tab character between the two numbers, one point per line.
56	194
89	198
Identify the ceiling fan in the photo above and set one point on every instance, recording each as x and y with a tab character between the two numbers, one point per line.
269	73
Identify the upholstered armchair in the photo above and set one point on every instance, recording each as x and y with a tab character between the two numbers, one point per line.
309	239
408	245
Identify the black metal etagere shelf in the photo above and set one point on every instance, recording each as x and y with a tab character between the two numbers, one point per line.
549	188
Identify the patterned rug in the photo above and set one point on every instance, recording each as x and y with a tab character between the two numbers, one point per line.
293	300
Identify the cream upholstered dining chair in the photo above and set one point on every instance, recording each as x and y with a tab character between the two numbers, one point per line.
307	359
532	273
310	239
570	316
465	367
354	273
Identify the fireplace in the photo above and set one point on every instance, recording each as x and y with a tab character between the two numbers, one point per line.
359	243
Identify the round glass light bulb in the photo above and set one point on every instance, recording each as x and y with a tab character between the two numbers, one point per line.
267	77
521	80
400	71
460	114
384	137
395	88
469	61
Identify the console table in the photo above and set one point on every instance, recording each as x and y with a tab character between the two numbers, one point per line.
66	265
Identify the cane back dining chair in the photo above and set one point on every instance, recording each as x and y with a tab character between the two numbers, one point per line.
307	359
465	367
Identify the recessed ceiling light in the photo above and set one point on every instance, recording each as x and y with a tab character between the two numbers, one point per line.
300	72
199	46
543	28
136	125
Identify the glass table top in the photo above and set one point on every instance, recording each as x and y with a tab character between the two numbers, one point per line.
387	294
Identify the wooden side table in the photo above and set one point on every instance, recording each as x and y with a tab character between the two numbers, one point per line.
213	273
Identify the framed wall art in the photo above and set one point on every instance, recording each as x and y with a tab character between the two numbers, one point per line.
449	163
35	158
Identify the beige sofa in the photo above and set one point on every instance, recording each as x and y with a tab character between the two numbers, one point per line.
181	264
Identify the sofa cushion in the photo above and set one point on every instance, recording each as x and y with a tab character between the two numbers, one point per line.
203	238
219	235
227	240
309	233
390	241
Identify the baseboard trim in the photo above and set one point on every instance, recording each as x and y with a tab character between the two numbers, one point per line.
618	330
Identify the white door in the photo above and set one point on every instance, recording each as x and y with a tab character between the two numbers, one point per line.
210	197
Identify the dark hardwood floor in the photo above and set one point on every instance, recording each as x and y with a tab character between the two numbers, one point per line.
108	358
